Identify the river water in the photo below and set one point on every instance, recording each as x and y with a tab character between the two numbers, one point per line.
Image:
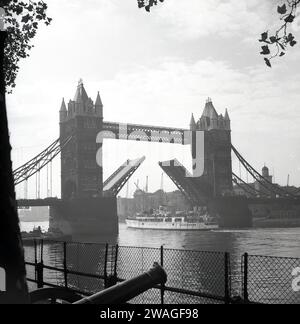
282	242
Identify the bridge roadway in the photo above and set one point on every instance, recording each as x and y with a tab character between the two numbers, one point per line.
146	133
38	202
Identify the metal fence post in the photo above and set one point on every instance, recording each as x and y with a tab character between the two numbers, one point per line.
227	278
245	284
115	275
105	265
112	279
162	286
42	251
116	262
35	260
65	265
40	275
40	267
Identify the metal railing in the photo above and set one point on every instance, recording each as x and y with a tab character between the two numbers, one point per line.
193	276
269	280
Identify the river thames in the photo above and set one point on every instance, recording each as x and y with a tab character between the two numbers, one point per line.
282	242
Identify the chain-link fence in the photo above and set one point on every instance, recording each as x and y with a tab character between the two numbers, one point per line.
197	277
132	262
77	266
88	259
193	276
270	280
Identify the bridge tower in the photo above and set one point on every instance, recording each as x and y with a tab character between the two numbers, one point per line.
82	211
217	149
81	176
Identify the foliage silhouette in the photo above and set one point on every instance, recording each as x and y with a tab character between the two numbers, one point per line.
276	43
22	19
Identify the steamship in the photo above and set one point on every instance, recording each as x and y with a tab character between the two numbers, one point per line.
165	220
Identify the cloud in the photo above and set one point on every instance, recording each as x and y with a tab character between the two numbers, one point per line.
176	88
262	104
194	18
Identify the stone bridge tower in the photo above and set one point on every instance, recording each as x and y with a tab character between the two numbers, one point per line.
217	150
81	176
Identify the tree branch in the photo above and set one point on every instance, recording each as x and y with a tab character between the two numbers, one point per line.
276	44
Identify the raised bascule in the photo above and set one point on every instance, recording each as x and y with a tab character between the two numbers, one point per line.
88	204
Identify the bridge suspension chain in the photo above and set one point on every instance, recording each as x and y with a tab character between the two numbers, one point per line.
36	164
254	173
260	179
250	190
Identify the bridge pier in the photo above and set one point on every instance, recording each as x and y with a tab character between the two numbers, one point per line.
278	212
85	217
233	212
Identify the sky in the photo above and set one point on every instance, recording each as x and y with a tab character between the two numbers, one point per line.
157	69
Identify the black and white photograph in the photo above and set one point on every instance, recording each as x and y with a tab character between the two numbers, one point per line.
149	155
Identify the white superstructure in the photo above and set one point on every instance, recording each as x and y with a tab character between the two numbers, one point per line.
166	221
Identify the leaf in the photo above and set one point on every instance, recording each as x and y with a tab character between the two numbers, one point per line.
264	37
273	39
19	10
281	54
293	43
290	37
268	62
25	19
289	19
282	9
265	50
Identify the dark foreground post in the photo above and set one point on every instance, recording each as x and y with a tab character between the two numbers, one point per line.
11	250
162	286
65	265
227	278
40	275
245	285
129	289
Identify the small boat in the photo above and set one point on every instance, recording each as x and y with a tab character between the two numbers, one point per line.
165	220
36	233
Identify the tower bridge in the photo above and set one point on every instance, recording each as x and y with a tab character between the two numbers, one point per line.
88	204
